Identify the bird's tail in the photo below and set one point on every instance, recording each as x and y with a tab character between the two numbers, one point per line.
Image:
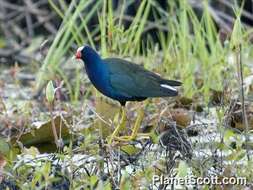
168	87
171	82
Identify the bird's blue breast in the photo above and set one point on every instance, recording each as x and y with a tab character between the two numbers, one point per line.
99	77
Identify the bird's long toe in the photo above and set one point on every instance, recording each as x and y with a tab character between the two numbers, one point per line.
119	127
132	137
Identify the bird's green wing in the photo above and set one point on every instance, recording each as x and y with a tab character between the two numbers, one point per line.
132	80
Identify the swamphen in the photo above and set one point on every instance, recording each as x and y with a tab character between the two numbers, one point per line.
124	81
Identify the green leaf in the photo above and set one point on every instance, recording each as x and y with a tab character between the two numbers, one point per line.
228	134
4	147
50	92
46	170
237	155
154	137
130	149
182	169
33	151
93	180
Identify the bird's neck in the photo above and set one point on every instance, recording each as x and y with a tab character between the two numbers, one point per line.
91	59
93	62
96	69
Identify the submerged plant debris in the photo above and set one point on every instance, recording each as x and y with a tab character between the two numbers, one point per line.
205	132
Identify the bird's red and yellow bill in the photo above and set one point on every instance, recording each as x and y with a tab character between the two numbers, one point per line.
78	55
79	52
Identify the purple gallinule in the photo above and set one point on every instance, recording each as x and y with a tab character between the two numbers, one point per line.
124	81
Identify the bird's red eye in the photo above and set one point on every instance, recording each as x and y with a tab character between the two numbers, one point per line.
78	55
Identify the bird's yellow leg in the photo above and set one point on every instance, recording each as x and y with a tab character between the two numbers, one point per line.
137	123
120	126
136	128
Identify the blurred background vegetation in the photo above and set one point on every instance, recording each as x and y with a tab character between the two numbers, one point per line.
206	44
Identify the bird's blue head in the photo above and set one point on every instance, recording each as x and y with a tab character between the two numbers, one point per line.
87	54
95	68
